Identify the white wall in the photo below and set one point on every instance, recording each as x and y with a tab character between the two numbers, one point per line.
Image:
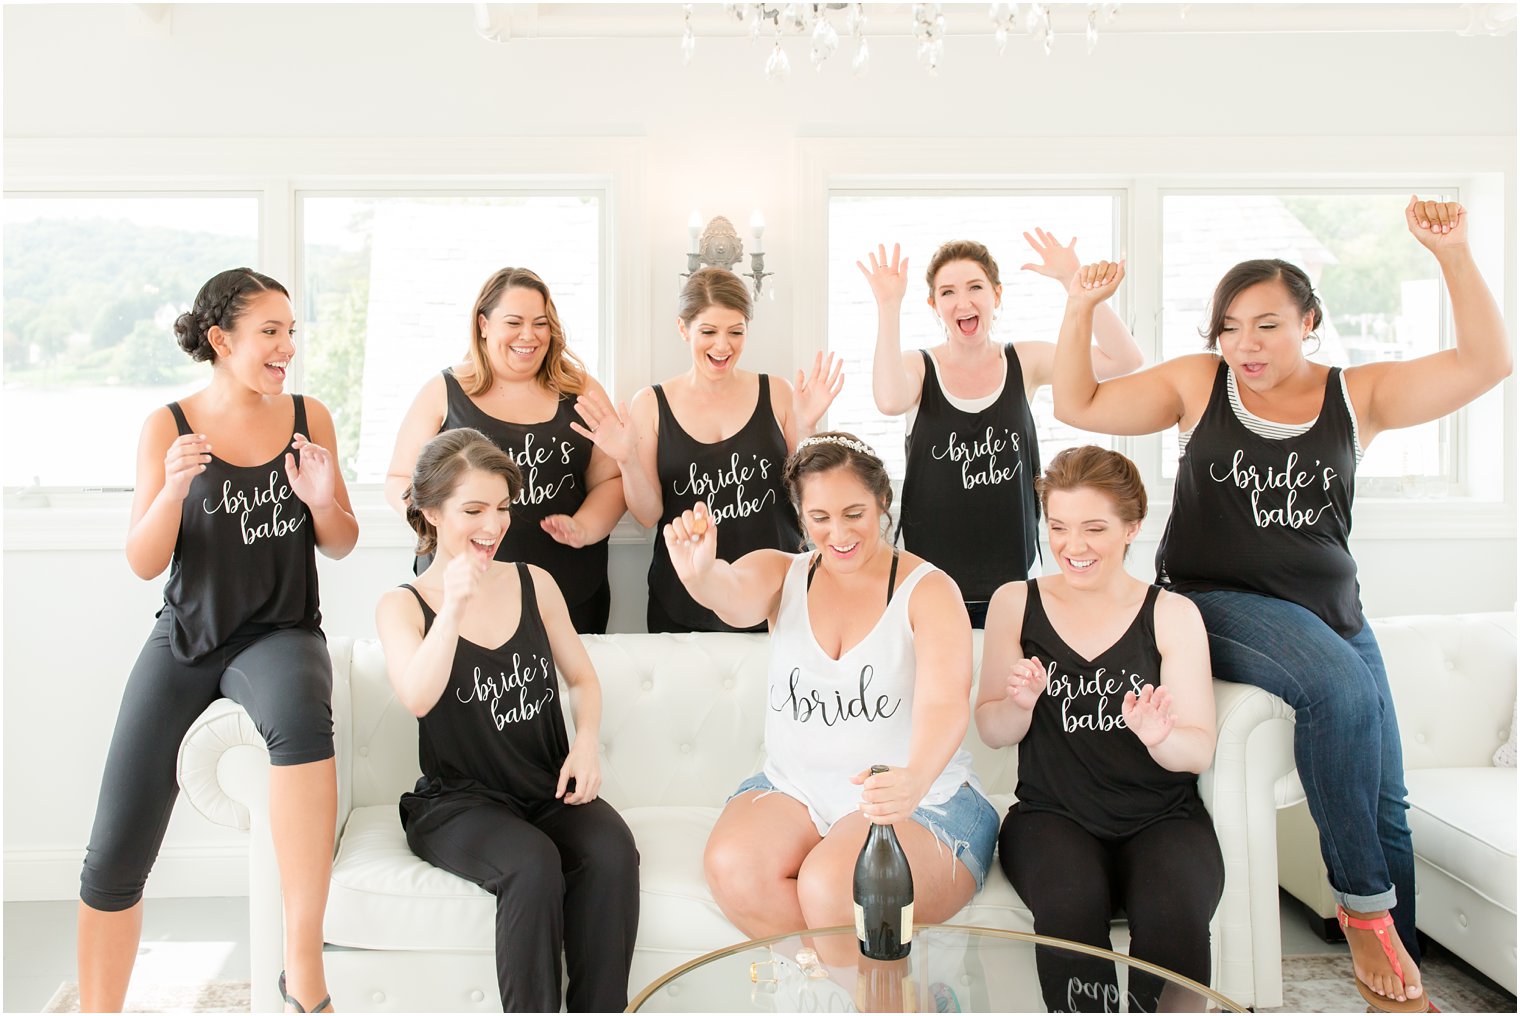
715	135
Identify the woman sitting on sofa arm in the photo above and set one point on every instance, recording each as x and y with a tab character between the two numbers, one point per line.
505	800
1103	682
870	663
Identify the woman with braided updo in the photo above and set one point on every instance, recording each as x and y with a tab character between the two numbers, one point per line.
870	663
237	487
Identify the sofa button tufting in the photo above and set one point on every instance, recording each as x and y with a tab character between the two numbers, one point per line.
477	995
648	685
1420	738
685	749
728	683
1451	664
378	996
364	750
1462	920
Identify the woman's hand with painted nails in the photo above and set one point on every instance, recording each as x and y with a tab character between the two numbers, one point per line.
1148	714
1026	682
692	540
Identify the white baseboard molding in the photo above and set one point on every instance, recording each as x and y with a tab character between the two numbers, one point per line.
179	872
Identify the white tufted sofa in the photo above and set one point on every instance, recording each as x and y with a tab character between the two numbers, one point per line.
683	726
1453	682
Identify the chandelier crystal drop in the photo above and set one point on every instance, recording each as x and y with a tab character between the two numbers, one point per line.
823	25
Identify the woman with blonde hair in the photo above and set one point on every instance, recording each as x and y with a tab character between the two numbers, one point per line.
518	386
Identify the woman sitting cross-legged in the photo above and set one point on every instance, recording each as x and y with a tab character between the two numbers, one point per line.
1103	682
870	663
505	800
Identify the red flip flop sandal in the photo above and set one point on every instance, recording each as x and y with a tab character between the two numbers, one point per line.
1382	927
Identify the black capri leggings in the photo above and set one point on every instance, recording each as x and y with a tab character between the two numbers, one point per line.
282	678
1167	878
564	876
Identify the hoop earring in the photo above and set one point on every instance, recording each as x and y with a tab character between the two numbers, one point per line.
1318	343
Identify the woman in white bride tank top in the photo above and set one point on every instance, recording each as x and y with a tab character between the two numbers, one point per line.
870	663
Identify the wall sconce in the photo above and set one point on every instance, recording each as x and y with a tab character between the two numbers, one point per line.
717	245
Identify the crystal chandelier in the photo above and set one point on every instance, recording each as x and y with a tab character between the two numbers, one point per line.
824	25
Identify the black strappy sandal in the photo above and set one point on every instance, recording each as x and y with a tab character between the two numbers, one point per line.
323	1006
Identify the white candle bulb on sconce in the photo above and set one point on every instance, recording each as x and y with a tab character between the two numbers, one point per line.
718	245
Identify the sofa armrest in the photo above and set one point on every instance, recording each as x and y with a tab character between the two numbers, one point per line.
1253	754
223	770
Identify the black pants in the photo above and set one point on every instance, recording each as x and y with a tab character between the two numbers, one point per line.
1167	879
657	619
590	615
564	876
282	678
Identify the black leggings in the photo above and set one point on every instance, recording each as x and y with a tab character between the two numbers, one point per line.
564	876
282	678
1167	878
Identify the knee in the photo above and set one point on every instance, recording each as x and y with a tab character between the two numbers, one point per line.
825	895
738	876
299	736
108	884
1078	909
529	875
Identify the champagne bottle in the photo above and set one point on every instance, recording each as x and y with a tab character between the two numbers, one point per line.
883	894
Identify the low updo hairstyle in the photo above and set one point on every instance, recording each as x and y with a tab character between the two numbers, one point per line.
219	304
1100	469
961	250
1247	274
440	465
835	449
713	287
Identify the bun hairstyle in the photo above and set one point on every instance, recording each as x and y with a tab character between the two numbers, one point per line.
713	287
961	250
440	465
1247	274
561	371
1094	468
835	449
219	304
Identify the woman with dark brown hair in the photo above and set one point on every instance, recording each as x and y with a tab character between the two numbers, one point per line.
715	433
870	663
1259	539
973	453
518	386
506	799
237	489
1103	682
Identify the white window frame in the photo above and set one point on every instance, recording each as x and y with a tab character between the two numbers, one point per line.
83	519
1479	169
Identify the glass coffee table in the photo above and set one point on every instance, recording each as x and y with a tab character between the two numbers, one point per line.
951	969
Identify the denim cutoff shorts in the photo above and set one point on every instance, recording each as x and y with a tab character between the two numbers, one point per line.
967	822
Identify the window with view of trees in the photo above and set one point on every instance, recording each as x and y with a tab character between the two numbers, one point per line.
388	283
1381	292
92	288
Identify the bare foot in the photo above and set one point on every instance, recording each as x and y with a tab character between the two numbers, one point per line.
1371	963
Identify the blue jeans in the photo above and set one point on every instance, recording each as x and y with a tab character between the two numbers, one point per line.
1346	741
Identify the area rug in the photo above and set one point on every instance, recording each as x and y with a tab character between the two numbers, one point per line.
1324	984
207	996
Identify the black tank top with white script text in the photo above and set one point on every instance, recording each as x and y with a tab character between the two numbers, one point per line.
245	560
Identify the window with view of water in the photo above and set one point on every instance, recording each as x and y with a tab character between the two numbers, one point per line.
1382	298
1032	303
92	288
388	286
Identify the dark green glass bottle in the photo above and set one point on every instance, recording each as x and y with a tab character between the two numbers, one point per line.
883	894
